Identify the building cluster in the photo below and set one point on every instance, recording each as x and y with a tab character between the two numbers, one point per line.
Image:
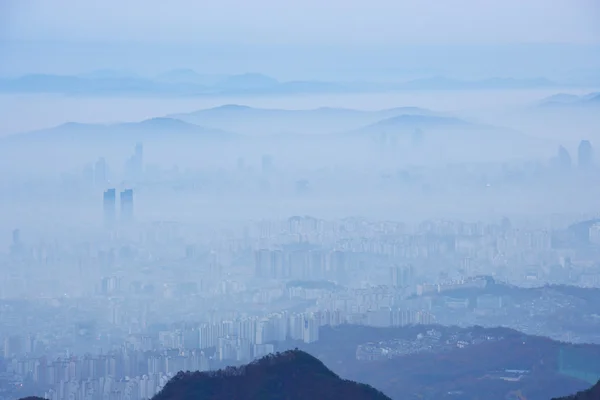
119	293
145	362
428	341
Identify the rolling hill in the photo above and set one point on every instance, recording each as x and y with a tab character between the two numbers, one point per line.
445	137
261	121
571	101
150	129
410	122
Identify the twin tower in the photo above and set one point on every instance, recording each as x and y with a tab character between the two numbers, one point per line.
110	206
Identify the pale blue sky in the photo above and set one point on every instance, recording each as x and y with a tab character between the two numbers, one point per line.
302	38
304	21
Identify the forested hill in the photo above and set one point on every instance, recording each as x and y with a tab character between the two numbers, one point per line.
291	375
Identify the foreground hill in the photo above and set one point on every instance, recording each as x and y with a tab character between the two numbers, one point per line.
292	375
592	393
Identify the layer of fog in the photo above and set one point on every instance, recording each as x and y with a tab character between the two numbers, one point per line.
467	173
21	113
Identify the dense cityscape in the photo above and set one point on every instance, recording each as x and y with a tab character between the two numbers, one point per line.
119	313
382	200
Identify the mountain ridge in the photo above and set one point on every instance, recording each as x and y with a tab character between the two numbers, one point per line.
161	126
570	100
321	120
186	82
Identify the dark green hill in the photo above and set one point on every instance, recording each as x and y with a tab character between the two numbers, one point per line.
291	375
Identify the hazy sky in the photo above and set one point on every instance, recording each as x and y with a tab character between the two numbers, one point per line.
303	39
304	21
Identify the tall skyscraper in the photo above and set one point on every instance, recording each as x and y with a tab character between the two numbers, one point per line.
585	154
138	158
127	205
563	158
110	207
139	152
134	167
100	172
401	276
262	263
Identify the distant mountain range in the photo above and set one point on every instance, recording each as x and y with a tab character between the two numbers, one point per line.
186	82
154	128
328	126
260	121
443	83
291	375
411	122
571	100
450	135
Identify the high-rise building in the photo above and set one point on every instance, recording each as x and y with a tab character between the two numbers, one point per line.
100	172
262	263
585	154
267	163
127	205
139	152
401	276
16	237
563	158
15	247
134	167
110	207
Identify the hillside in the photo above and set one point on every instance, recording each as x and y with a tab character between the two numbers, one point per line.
292	375
592	393
437	362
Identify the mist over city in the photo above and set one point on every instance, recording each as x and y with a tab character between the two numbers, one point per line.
301	200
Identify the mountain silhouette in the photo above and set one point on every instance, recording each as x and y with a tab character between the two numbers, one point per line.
323	120
153	128
445	83
408	121
291	375
571	100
